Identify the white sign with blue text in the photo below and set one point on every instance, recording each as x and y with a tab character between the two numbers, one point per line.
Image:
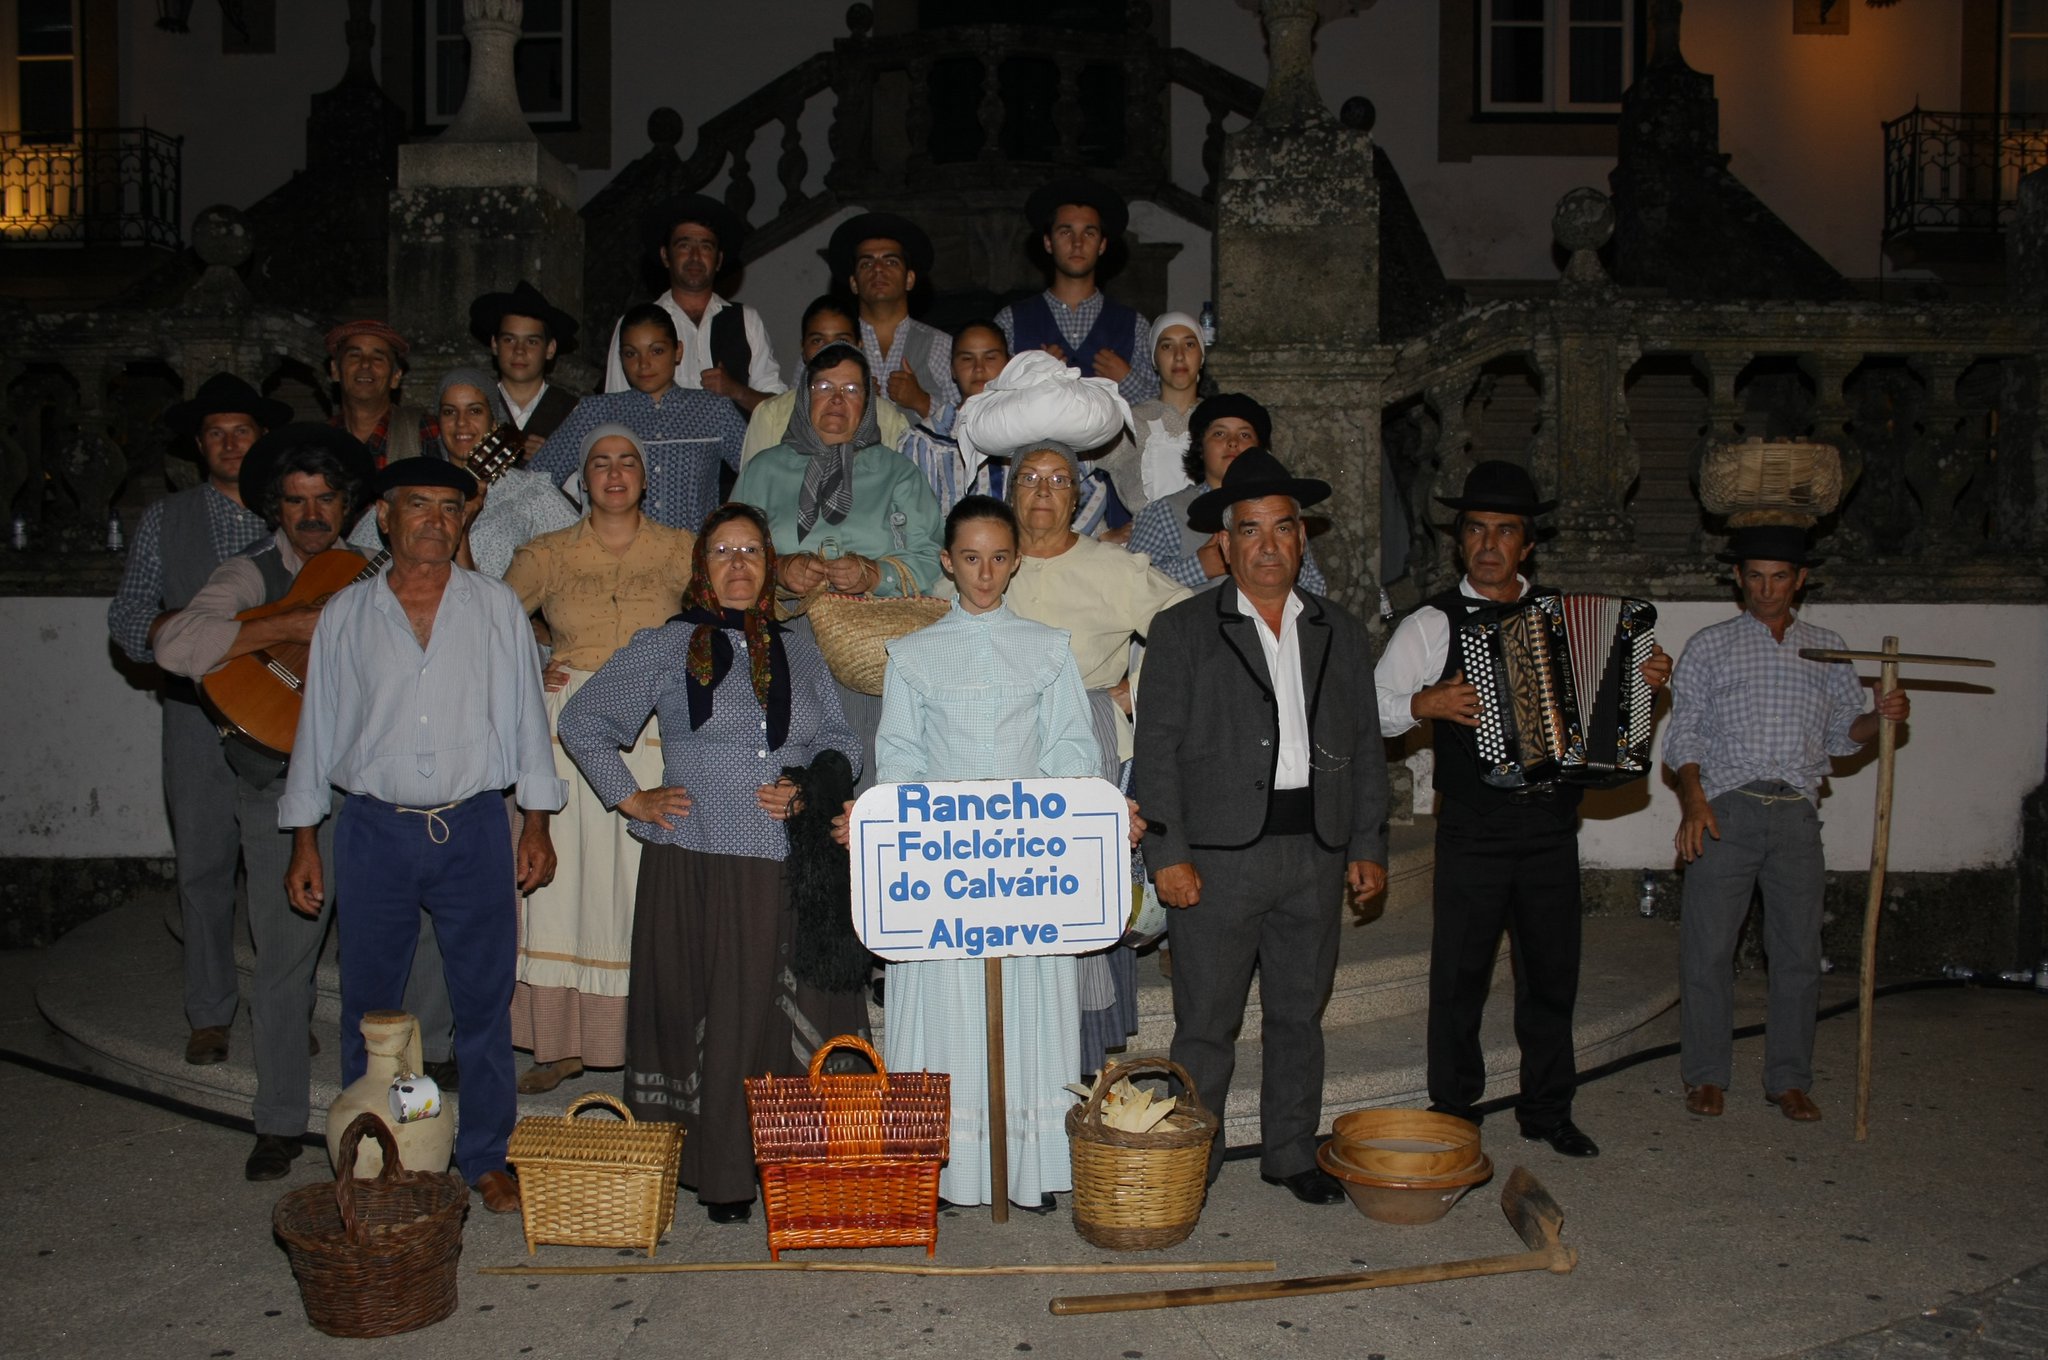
974	869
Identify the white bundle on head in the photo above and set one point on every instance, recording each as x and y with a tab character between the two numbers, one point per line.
1038	402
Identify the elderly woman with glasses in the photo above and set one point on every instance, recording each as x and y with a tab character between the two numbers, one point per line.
595	585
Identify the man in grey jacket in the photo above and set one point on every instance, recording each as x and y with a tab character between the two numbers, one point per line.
1261	774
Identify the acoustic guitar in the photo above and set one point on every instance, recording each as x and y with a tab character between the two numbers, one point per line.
257	696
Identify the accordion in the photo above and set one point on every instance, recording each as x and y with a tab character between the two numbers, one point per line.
1561	691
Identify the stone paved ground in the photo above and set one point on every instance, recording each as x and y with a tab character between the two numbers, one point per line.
2008	1320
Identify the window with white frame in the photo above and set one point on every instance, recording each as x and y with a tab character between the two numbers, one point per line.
2026	57
543	64
39	82
1556	56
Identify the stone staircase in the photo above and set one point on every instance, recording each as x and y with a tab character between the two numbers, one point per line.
112	990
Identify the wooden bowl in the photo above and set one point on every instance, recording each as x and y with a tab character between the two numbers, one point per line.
1406	1144
1402	1202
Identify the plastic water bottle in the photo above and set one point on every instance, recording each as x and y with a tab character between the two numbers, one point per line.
1208	324
1646	904
2041	976
20	538
114	540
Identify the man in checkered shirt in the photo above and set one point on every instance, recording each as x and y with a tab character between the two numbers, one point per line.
1753	725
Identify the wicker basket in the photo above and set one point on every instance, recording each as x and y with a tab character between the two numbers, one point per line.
1140	1191
596	1183
850	1160
1793	481
375	1257
854	631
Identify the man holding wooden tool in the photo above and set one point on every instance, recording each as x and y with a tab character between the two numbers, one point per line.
306	479
1752	727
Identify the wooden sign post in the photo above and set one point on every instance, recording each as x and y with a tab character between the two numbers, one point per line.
991	869
1880	841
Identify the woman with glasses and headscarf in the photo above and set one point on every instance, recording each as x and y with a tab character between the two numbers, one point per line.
595	585
713	996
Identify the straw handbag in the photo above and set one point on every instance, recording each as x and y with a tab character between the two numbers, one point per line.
1140	1191
595	1183
854	631
375	1257
850	1160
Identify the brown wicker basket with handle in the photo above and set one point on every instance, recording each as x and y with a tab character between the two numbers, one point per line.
1140	1191
375	1257
593	1182
1784	481
854	631
850	1160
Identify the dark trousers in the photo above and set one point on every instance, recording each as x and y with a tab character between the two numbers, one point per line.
1277	903
199	791
1516	870
457	866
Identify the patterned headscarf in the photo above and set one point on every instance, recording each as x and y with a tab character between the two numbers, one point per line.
710	653
827	488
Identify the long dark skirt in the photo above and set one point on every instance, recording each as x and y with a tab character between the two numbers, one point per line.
712	1001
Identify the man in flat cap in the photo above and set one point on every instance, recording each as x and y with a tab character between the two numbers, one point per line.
177	545
725	345
878	258
524	332
1753	724
1076	221
1506	860
423	705
306	479
366	362
1262	779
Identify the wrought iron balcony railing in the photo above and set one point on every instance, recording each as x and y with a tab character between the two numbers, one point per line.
1957	172
102	186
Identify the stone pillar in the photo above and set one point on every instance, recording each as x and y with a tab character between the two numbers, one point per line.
1596	462
1297	289
479	208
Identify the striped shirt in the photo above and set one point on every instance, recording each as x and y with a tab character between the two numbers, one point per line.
1747	707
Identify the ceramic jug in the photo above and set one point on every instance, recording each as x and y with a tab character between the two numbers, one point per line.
393	1040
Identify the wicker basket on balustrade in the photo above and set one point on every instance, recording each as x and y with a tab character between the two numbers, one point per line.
850	1160
1140	1191
596	1182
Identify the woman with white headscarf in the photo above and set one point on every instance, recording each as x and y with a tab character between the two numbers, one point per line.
1147	464
595	584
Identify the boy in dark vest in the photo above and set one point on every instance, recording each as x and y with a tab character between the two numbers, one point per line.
178	542
305	479
1505	859
1076	221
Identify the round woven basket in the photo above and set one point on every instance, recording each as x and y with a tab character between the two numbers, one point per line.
1785	481
1140	1191
854	631
375	1257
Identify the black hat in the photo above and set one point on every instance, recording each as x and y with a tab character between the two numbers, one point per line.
222	394
1770	543
488	312
1253	474
659	223
1046	199
424	472
259	467
847	236
1237	404
1500	487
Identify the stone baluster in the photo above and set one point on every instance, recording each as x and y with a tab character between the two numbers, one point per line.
1941	462
1066	113
853	110
1832	413
989	112
917	119
1596	462
1721	369
1212	146
739	186
490	109
794	164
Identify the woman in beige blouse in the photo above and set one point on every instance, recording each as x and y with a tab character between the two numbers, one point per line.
595	584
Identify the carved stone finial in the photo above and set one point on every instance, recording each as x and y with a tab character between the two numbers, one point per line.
665	127
361	33
220	237
860	20
1291	94
1583	222
1358	114
490	109
1664	17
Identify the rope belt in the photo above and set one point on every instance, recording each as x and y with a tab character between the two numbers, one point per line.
434	822
1769	795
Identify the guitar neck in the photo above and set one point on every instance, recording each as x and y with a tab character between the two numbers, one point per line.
375	565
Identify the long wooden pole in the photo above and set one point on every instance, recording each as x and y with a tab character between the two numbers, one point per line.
881	1268
1559	1259
998	1098
1880	853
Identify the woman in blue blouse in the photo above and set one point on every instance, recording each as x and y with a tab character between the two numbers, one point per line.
983	694
740	699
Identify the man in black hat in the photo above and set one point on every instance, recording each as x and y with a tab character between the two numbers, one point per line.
725	345
524	332
1753	724
1263	782
1077	220
306	479
1505	860
879	258
423	705
177	544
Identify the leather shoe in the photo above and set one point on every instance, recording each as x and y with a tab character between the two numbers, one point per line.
542	1077
446	1075
207	1045
1794	1103
272	1160
1565	1138
500	1192
730	1211
1313	1186
1705	1099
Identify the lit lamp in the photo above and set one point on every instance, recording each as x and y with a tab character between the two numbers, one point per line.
172	15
